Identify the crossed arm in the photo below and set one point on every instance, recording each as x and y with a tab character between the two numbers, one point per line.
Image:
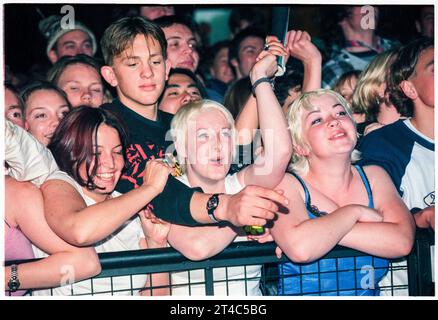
387	231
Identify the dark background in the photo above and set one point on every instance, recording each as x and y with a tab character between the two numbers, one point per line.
24	46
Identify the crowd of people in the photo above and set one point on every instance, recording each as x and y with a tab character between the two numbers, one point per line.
164	143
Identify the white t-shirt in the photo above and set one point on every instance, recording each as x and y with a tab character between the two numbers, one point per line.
409	158
226	280
127	237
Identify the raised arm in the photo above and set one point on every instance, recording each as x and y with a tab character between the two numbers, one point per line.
68	215
247	122
303	239
394	236
269	167
24	208
299	46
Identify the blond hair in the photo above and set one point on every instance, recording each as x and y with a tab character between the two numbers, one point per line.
180	123
366	93
300	163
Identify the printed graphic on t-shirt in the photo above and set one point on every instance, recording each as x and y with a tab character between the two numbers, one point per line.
429	200
137	156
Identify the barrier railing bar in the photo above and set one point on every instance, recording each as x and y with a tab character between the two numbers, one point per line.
251	253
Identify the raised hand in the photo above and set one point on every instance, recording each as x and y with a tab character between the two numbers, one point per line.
300	46
266	65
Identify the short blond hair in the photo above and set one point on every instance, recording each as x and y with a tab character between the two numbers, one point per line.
180	122
366	93
299	163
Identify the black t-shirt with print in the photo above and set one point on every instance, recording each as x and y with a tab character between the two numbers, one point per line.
148	140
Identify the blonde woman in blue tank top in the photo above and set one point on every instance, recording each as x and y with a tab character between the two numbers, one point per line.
334	202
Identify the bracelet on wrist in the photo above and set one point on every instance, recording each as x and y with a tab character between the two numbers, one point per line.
261	80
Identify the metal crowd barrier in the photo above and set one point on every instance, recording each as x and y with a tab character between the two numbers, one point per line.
129	264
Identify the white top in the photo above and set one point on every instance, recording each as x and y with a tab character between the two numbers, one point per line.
127	237
233	287
27	158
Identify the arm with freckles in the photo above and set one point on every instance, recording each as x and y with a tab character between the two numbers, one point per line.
394	236
303	239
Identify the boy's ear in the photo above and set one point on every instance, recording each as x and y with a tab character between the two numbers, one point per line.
409	89
53	57
168	66
109	75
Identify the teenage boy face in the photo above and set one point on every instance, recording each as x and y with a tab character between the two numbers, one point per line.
139	73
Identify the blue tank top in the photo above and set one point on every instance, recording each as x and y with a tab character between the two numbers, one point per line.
347	276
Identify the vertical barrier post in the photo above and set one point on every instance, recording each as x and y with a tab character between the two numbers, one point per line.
209	281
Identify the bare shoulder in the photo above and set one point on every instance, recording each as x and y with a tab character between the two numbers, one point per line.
292	187
289	180
59	193
375	173
58	186
380	183
296	210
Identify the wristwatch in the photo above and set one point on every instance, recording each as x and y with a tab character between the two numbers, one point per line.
14	283
212	204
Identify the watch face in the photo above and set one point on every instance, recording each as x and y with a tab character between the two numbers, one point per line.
212	202
14	285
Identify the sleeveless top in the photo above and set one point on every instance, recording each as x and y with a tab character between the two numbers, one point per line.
126	237
17	247
347	276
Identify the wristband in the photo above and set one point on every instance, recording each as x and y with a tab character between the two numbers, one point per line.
258	81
